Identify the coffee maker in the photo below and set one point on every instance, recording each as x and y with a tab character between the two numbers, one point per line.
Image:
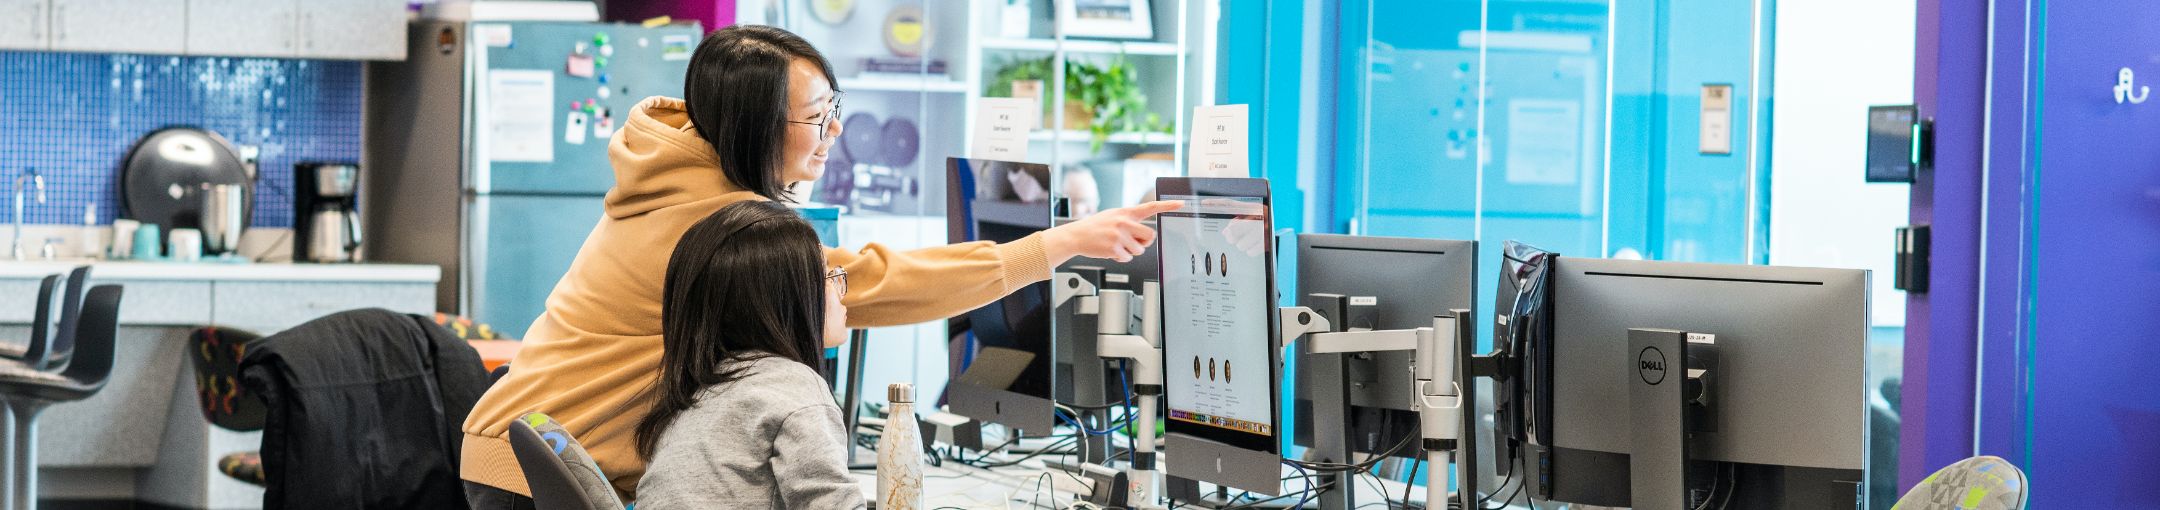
326	217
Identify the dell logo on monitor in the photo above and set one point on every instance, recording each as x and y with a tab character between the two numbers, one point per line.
1650	364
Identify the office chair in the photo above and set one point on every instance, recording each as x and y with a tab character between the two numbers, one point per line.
215	353
1978	483
557	469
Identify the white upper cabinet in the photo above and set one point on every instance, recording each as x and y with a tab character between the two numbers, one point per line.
352	29
25	25
244	28
120	26
321	29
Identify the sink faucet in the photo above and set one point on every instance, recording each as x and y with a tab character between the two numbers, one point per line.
37	181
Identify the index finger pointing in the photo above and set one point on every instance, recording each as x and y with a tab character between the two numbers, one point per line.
1154	208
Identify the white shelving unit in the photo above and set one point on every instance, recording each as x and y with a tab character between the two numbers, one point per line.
1083	46
894	82
968	44
1138	138
1172	68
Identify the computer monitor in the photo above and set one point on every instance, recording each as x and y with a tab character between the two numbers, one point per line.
1221	361
1405	282
1522	342
1788	402
1009	362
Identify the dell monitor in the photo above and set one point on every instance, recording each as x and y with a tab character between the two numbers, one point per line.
1401	283
1221	362
1787	413
1007	373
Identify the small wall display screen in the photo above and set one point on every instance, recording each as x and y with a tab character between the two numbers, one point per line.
1891	153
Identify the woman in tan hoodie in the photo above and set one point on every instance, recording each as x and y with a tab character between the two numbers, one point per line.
759	116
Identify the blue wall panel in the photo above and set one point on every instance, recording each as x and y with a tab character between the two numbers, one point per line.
73	117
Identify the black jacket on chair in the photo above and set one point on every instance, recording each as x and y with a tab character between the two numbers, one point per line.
364	411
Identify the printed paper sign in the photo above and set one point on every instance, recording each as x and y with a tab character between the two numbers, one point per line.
1219	142
1001	128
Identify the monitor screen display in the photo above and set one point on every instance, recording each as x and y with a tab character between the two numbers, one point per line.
1218	349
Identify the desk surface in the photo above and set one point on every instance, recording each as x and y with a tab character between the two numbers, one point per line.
1030	485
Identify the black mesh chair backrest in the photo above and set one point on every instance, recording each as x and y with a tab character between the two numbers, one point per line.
41	320
63	342
96	331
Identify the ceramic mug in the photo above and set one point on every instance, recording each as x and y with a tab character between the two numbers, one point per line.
123	238
148	243
187	244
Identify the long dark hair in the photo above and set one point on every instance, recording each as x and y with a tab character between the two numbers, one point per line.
737	93
744	283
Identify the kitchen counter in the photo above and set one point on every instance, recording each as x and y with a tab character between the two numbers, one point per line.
143	437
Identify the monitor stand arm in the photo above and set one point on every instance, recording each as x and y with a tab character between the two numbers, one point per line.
1438	397
1116	338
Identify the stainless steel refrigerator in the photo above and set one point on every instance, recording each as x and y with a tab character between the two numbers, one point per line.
486	150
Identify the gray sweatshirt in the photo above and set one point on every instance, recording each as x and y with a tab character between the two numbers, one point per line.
770	439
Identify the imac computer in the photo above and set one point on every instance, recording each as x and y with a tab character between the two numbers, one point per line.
1779	418
1221	364
1008	359
1389	283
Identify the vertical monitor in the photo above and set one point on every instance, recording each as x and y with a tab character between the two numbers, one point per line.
1006	357
1220	361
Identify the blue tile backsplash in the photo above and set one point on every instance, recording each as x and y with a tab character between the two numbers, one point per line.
74	116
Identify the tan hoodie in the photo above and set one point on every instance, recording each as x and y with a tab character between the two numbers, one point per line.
597	345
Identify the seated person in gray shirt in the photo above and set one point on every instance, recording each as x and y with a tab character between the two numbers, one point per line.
739	417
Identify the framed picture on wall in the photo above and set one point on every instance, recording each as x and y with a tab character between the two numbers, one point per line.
1107	19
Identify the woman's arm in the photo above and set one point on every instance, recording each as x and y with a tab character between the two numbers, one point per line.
888	288
810	461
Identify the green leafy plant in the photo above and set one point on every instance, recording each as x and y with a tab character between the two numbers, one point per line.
1112	93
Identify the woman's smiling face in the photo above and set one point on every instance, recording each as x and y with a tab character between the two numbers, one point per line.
811	102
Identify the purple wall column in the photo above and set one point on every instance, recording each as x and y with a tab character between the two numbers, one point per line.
1949	84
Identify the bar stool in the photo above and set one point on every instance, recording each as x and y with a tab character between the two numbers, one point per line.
29	390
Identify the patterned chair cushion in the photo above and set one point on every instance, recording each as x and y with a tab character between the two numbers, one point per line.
465	328
1978	483
215	353
243	466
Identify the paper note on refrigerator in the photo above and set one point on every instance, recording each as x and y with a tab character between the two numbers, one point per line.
1001	128
574	129
1219	142
520	126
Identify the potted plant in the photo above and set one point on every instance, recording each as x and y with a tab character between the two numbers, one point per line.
1100	99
